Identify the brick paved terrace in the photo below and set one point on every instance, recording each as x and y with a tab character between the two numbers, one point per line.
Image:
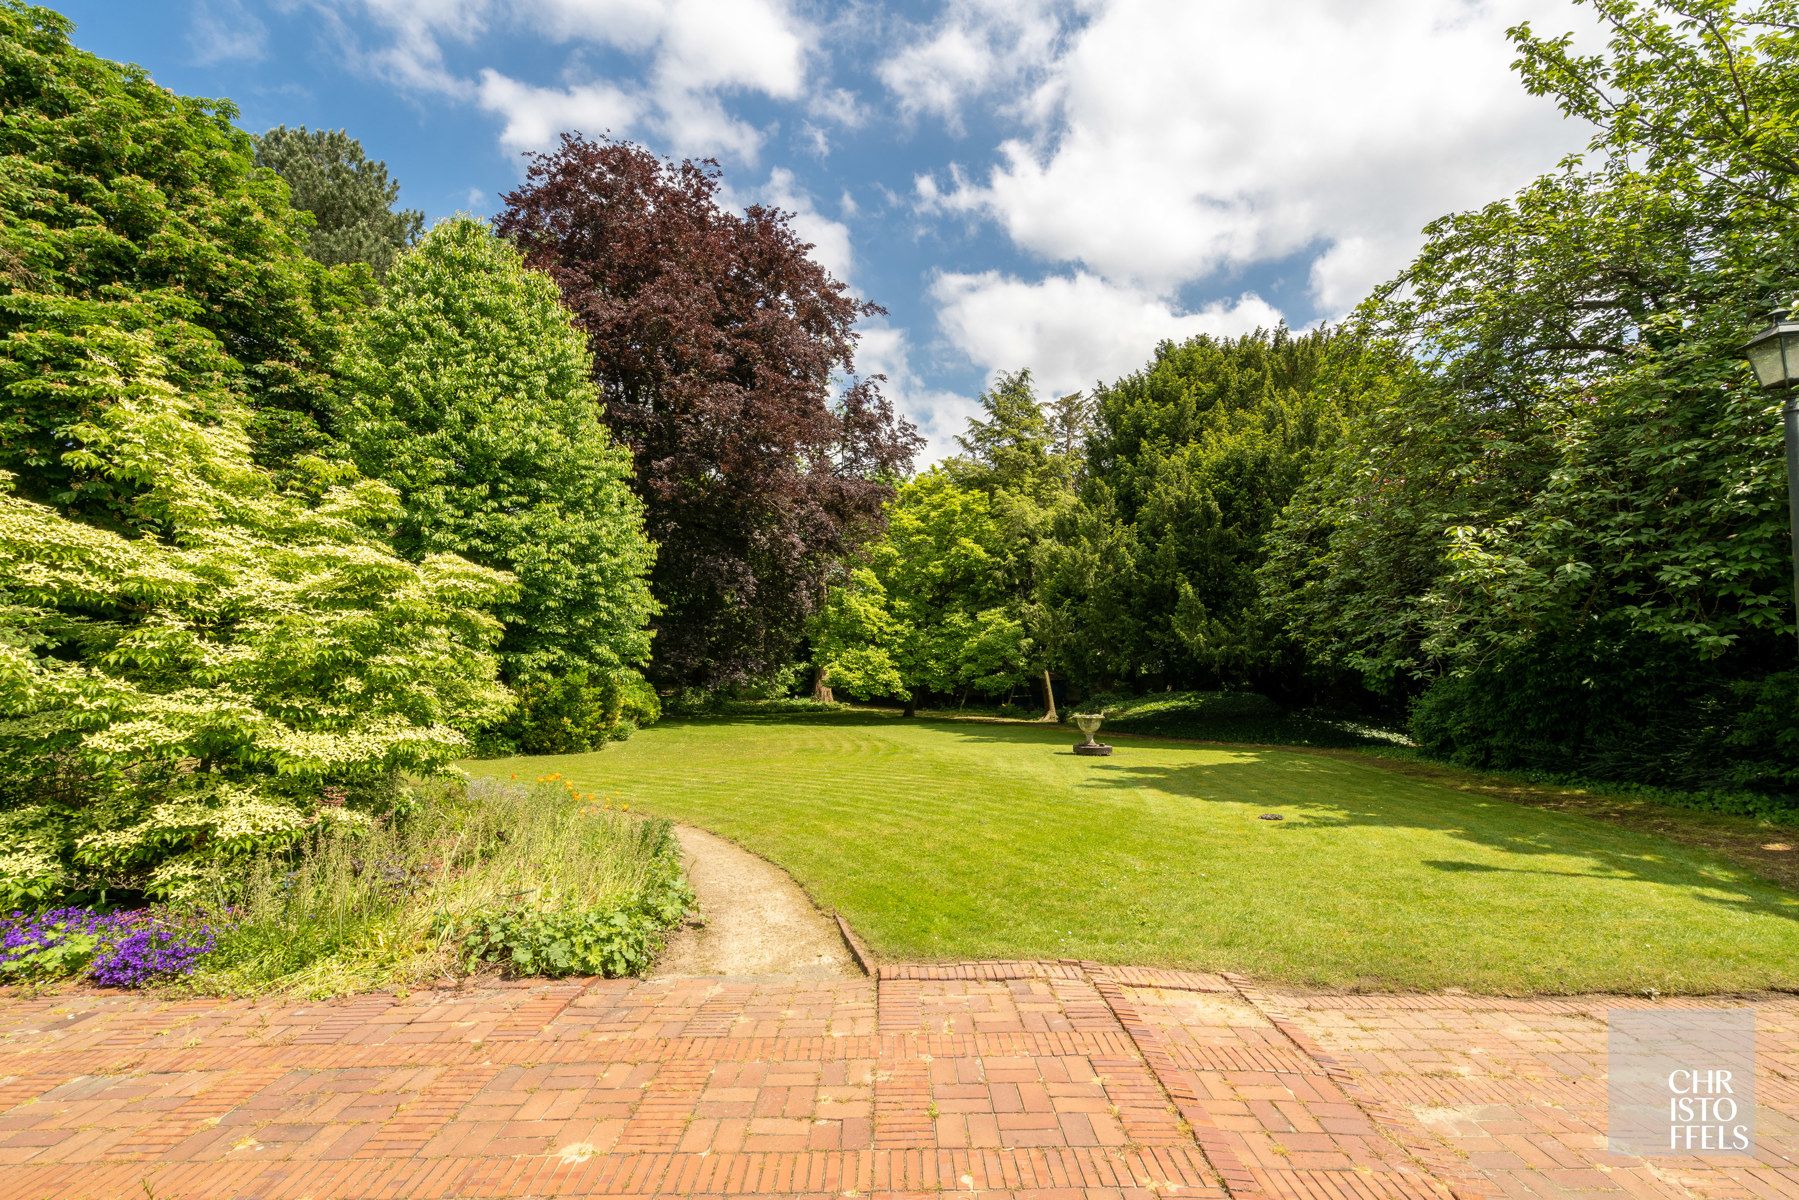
1010	1079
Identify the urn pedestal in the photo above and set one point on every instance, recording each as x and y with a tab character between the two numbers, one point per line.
1088	723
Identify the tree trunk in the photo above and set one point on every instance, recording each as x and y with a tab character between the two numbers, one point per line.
910	709
1049	699
821	688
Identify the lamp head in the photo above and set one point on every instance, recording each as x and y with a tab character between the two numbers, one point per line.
1774	352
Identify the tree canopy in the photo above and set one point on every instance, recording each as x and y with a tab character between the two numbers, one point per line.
1190	461
180	693
1566	532
194	664
351	198
128	206
468	389
1114	540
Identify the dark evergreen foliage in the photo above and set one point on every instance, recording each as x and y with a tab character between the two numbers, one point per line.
351	198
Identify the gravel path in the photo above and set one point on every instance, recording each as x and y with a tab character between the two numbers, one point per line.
758	921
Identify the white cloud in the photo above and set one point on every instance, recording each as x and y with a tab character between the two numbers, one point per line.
975	48
838	106
1175	139
695	124
940	415
534	116
224	31
413	56
830	108
695	50
1072	330
752	44
1355	263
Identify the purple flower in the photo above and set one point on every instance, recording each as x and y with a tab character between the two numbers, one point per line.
117	949
26	934
152	953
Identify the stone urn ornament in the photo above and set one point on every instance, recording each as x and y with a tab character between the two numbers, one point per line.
1088	723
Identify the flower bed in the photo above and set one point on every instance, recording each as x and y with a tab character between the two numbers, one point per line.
124	948
528	879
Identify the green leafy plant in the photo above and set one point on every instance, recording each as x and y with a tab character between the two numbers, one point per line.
613	939
602	941
196	666
172	703
60	958
569	713
467	389
393	904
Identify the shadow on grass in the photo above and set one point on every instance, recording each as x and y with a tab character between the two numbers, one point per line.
1264	778
1498	825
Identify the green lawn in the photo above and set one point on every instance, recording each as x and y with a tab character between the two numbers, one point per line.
953	840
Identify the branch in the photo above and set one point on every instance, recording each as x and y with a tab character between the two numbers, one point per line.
1730	63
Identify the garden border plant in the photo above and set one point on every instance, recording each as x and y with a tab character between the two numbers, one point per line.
461	878
118	948
522	877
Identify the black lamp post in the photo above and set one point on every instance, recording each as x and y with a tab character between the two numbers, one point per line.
1774	353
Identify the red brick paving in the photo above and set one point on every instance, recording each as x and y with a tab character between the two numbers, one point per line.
1051	1080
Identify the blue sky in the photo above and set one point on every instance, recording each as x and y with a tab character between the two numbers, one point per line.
1053	184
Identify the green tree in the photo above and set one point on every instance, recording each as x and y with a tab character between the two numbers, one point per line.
1009	447
468	389
350	196
1194	456
854	640
1085	598
1070	425
226	673
1018	455
939	593
194	665
1352	551
127	206
1572	518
